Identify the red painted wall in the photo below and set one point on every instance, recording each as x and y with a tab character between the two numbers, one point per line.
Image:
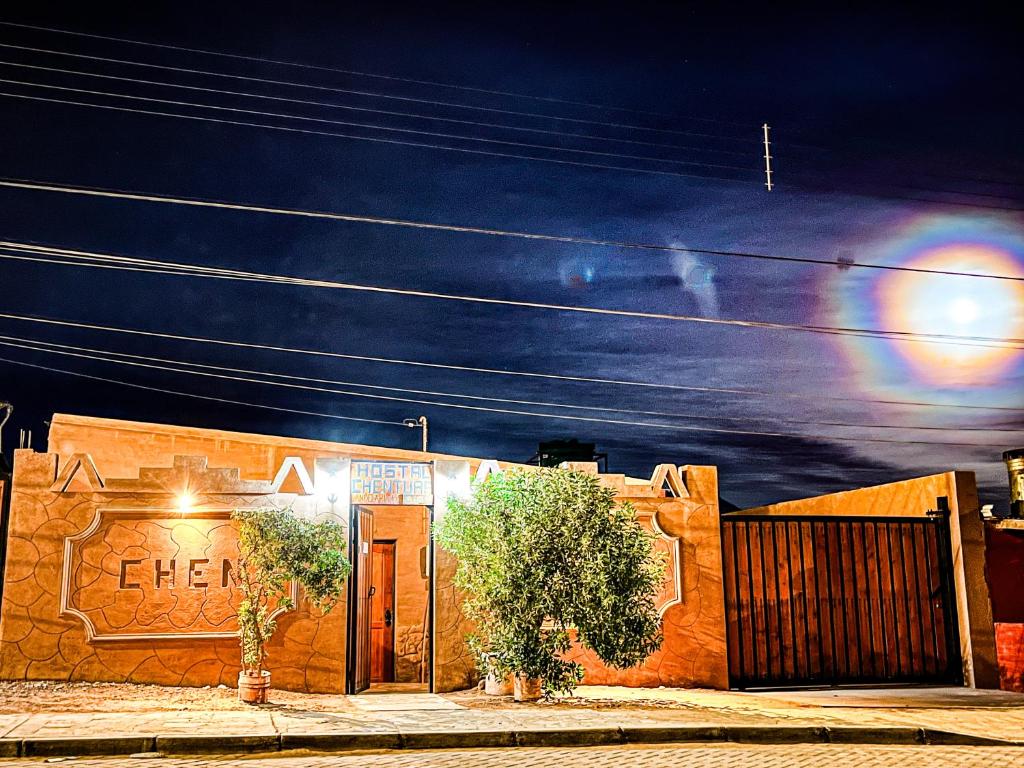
1004	566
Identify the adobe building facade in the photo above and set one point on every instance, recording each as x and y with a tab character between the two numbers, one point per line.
121	550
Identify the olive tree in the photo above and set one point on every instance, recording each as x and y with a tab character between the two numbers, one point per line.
543	554
275	548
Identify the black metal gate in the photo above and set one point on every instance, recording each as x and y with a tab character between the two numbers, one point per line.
839	600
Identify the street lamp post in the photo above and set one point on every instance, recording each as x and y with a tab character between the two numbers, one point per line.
421	422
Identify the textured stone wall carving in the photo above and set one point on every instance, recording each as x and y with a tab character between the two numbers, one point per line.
229	470
693	653
410	650
38	642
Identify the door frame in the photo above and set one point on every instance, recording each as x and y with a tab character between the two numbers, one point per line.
352	606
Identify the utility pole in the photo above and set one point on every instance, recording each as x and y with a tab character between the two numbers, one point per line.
421	422
767	159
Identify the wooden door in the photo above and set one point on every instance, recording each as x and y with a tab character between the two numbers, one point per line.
363	576
382	613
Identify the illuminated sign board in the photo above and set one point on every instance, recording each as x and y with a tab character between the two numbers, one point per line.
391	482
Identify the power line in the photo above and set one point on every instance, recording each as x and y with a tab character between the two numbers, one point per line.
31	184
371	110
465	106
371	126
490	371
393	78
200	397
374	139
96	260
372	94
462	137
44	345
503	411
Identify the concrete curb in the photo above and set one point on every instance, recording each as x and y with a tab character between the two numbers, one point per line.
199	744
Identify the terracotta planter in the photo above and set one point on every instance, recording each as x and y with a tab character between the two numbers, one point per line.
526	688
252	689
494	686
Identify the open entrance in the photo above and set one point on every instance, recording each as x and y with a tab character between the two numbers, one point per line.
390	600
831	600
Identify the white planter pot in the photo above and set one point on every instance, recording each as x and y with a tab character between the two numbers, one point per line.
494	686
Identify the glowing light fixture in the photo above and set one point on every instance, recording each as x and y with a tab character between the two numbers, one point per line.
185	501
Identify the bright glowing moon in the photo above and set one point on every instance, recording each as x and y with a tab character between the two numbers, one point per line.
956	306
963	311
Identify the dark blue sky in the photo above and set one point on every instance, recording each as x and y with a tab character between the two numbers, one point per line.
868	110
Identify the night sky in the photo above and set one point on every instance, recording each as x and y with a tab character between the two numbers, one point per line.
897	139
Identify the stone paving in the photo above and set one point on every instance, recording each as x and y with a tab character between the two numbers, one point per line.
426	720
692	756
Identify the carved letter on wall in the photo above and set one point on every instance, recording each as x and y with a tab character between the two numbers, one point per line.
145	574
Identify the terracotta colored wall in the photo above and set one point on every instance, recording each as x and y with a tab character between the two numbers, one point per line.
693	653
915	497
308	652
40	641
408	526
1010	644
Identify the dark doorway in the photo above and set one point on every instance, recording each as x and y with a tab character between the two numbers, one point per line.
382	613
830	600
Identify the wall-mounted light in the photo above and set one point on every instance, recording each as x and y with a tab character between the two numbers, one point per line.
185	501
421	422
331	481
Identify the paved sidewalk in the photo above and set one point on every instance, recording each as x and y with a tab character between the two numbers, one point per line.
614	716
626	756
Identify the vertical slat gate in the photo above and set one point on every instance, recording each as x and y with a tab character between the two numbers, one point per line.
839	600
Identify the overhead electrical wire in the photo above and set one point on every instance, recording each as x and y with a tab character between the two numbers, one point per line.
371	110
373	127
41	186
711	136
490	398
490	371
503	411
97	260
446	148
222	400
356	73
753	141
374	139
450	104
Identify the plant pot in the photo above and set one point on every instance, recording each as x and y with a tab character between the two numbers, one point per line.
526	688
252	689
495	686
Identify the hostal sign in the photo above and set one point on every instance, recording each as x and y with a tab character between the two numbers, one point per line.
391	482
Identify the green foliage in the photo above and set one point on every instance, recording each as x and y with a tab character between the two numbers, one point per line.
276	548
542	553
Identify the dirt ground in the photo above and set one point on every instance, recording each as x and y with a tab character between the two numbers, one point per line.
46	696
474	698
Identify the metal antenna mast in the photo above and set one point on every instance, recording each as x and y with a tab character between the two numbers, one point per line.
767	159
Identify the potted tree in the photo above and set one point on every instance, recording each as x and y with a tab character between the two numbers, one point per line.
277	548
547	558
